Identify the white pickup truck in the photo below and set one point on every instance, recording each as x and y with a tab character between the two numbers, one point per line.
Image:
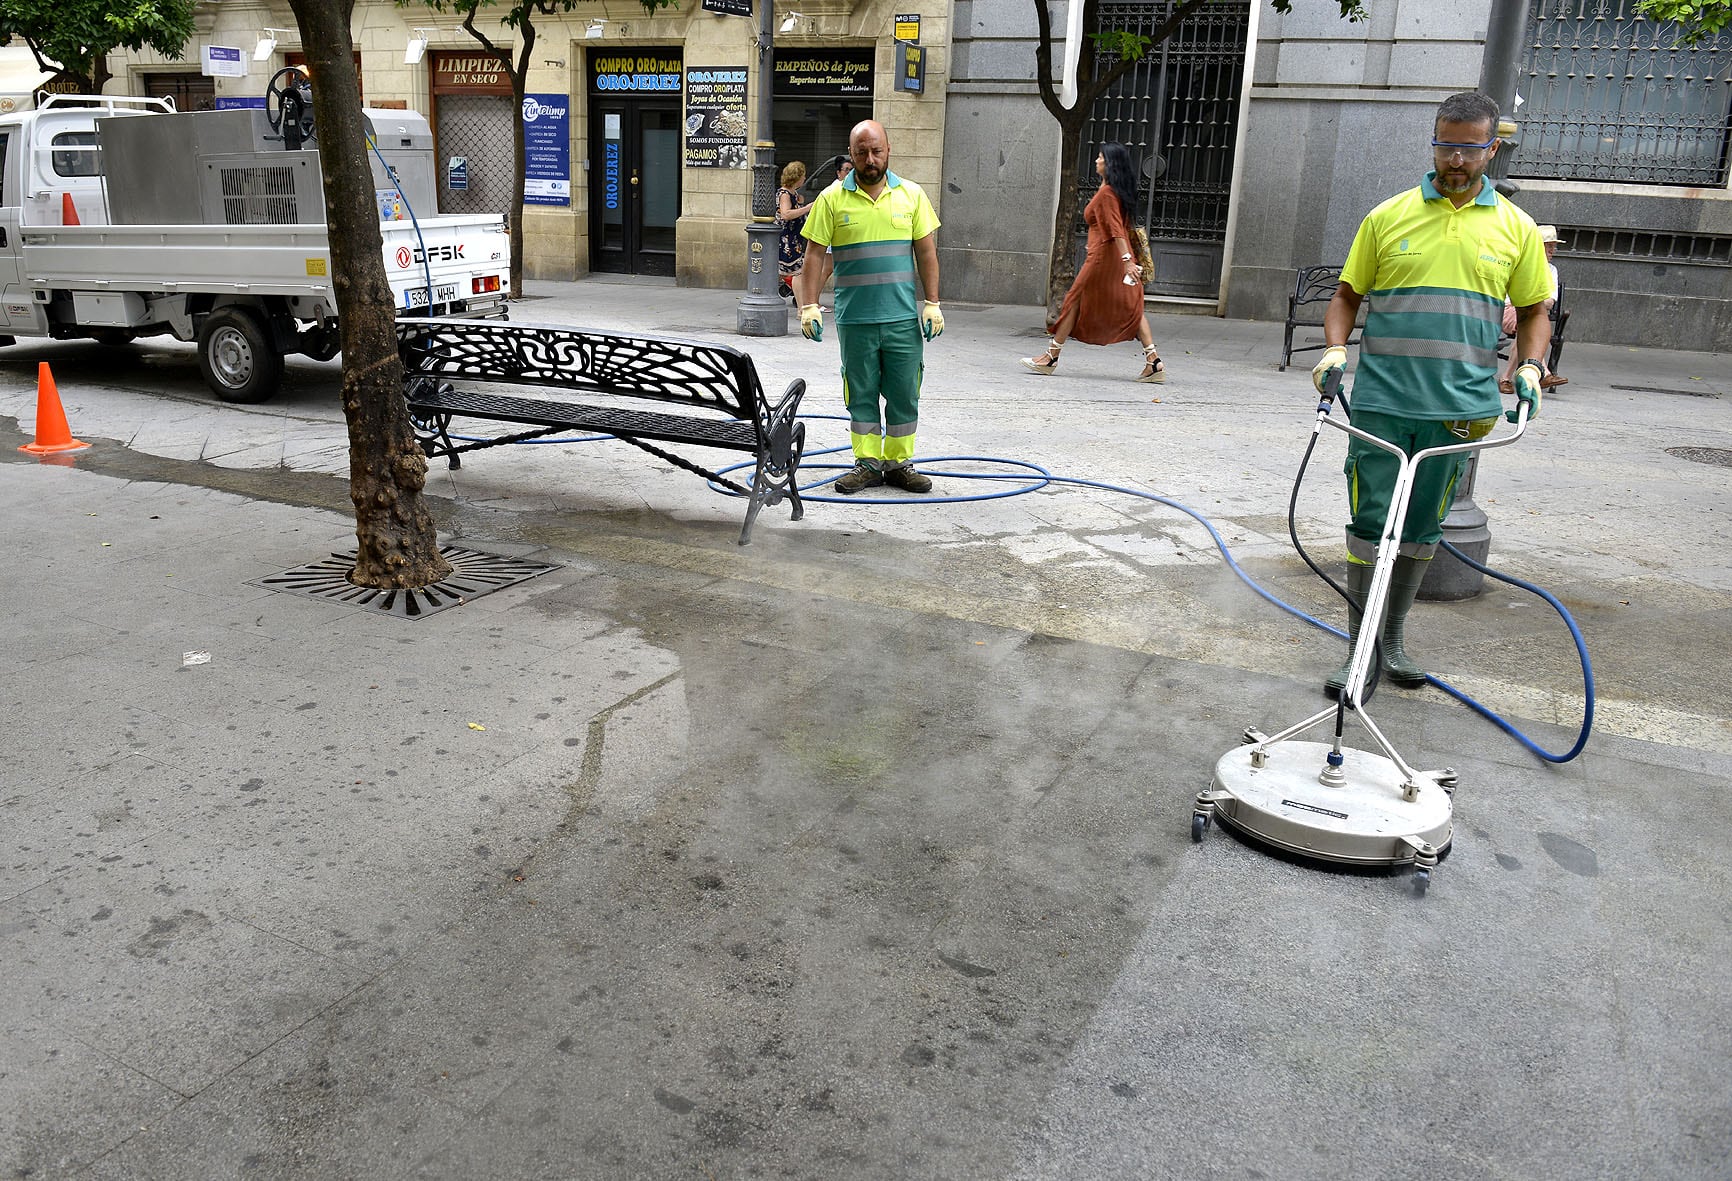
122	218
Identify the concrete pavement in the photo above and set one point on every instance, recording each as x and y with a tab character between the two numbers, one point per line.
862	851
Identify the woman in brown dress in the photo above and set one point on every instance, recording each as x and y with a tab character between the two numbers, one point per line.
1105	304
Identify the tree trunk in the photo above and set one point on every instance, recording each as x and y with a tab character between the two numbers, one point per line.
519	81
398	544
1061	271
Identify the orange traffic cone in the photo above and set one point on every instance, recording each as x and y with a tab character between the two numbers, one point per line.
52	434
68	211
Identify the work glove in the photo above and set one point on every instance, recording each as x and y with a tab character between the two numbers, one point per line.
1334	357
931	320
1527	389
812	321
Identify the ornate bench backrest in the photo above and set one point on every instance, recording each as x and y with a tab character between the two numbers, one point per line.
668	369
1316	283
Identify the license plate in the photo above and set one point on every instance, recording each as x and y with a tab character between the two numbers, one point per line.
442	294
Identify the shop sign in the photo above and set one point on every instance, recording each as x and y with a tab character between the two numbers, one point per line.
715	117
610	161
546	149
907	26
910	68
824	73
61	84
224	61
470	73
643	73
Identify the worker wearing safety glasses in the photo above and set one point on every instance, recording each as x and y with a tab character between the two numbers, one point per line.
1436	264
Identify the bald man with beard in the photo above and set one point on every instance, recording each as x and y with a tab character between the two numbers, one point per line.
882	240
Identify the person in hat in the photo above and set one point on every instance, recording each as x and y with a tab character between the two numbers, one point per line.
1551	381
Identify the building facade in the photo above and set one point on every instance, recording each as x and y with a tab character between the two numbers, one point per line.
1265	138
1262	138
640	125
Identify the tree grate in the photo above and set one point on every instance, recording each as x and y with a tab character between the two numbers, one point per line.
473	574
1716	456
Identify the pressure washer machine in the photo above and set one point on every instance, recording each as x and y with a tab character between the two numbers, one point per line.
1329	802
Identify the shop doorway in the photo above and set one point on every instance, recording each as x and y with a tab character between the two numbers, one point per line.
190	92
472	129
635	180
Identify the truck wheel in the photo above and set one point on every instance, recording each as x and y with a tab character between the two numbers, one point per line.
237	357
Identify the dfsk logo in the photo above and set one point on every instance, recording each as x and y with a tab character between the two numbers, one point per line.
402	256
439	253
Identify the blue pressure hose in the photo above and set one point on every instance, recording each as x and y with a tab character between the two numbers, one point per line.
1034	477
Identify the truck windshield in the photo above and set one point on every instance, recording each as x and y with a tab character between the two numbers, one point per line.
74	153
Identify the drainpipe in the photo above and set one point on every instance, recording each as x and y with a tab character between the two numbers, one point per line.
1466	527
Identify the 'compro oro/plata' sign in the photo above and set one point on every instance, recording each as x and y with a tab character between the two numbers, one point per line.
825	73
634	73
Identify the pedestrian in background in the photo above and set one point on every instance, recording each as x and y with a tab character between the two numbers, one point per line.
882	235
1506	384
791	217
1105	303
1438	262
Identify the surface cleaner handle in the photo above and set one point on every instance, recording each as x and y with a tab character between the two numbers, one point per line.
1331	389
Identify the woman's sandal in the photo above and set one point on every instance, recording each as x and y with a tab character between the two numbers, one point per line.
1154	371
1043	362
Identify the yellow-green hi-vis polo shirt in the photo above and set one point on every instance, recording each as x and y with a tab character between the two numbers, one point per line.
872	247
1435	278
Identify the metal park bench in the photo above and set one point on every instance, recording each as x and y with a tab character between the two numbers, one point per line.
484	369
1313	288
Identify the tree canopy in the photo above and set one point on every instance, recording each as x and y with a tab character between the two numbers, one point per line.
1697	19
76	36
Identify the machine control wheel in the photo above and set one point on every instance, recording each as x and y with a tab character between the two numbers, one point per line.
1421	882
1199	826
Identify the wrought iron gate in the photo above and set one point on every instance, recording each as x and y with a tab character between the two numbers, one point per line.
1178	113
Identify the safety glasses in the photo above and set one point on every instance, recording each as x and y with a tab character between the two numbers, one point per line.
1467	151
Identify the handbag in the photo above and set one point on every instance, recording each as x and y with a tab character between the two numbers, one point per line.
1145	258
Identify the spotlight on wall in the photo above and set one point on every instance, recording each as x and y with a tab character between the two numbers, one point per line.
416	48
789	21
267	44
594	29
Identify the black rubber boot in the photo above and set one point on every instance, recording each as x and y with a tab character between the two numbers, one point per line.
1403	586
1358	583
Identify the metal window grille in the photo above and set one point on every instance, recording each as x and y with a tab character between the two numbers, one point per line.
1611	96
259	196
478	128
1178	113
1645	246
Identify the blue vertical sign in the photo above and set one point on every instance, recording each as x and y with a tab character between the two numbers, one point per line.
546	149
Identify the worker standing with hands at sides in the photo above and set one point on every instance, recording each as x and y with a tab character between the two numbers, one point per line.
1436	263
883	242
